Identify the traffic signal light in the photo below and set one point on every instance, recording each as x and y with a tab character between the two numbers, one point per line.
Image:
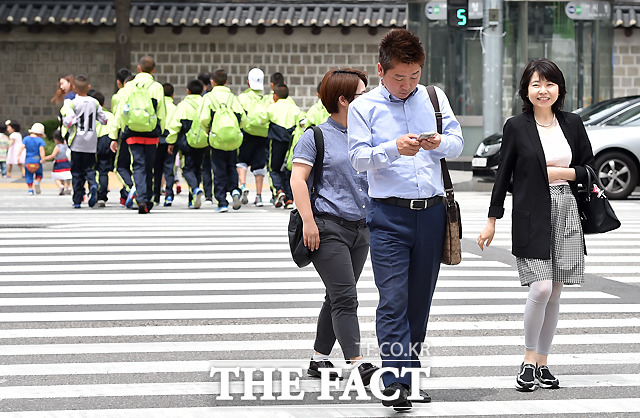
458	13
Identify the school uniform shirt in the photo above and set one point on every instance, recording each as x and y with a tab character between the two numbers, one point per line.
283	117
377	118
316	114
186	114
246	98
156	91
81	117
341	190
219	94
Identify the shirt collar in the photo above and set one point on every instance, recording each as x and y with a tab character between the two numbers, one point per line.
390	97
336	125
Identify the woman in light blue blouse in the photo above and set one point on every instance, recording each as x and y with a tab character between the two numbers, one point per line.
334	225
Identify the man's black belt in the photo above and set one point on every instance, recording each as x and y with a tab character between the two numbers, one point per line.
415	204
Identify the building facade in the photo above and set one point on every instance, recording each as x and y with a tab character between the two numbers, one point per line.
42	40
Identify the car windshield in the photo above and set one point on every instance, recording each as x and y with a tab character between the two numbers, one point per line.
598	111
629	117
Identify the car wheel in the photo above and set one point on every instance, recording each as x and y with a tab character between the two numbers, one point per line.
617	174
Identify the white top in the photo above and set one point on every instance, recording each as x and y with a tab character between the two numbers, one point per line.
557	151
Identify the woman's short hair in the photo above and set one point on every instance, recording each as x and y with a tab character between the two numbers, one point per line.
340	82
548	70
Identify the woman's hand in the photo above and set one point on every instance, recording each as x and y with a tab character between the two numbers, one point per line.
311	235
486	236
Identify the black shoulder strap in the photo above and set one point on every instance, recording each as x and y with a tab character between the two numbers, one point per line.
448	185
317	165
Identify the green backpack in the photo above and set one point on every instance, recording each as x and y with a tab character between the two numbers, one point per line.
257	122
139	111
196	136
225	133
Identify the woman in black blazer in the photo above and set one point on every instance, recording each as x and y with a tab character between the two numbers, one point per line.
545	150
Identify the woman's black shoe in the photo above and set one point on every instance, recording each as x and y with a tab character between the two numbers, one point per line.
366	370
315	366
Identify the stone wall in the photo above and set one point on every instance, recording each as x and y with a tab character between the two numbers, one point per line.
626	63
32	63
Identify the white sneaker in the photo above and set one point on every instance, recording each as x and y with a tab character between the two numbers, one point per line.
36	186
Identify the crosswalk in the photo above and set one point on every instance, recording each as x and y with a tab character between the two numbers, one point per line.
107	313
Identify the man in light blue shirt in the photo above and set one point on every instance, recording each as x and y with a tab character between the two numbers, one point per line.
407	214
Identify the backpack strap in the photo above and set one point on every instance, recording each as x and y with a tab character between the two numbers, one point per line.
448	185
317	165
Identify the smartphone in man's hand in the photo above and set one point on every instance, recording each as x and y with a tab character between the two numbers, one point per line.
427	136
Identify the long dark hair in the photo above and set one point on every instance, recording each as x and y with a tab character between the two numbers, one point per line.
548	70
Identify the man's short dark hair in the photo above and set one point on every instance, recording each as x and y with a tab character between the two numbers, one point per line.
96	94
277	78
168	89
219	77
195	86
122	74
147	64
548	70
400	46
282	91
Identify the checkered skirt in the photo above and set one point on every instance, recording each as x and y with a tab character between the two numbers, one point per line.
567	244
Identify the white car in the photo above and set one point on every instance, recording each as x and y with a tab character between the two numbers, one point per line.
616	147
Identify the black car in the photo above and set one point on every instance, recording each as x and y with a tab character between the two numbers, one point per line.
486	158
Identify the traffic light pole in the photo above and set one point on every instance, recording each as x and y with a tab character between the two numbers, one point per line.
492	83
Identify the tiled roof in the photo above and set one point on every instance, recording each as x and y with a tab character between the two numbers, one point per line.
626	16
206	14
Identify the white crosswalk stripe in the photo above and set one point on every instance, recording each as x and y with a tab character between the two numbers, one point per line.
108	313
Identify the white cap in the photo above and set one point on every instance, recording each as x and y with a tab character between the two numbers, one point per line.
256	79
37	129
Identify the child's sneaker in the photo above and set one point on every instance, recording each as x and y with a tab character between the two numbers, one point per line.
178	188
62	193
36	186
197	198
288	204
77	205
245	194
526	379
123	202
130	198
258	201
545	379
280	196
222	209
235	195
93	198
30	192
101	203
168	201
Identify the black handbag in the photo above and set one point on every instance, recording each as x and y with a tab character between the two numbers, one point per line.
596	214
300	253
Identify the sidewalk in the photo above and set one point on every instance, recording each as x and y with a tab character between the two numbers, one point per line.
462	180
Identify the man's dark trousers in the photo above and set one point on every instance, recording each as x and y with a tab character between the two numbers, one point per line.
406	247
143	158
